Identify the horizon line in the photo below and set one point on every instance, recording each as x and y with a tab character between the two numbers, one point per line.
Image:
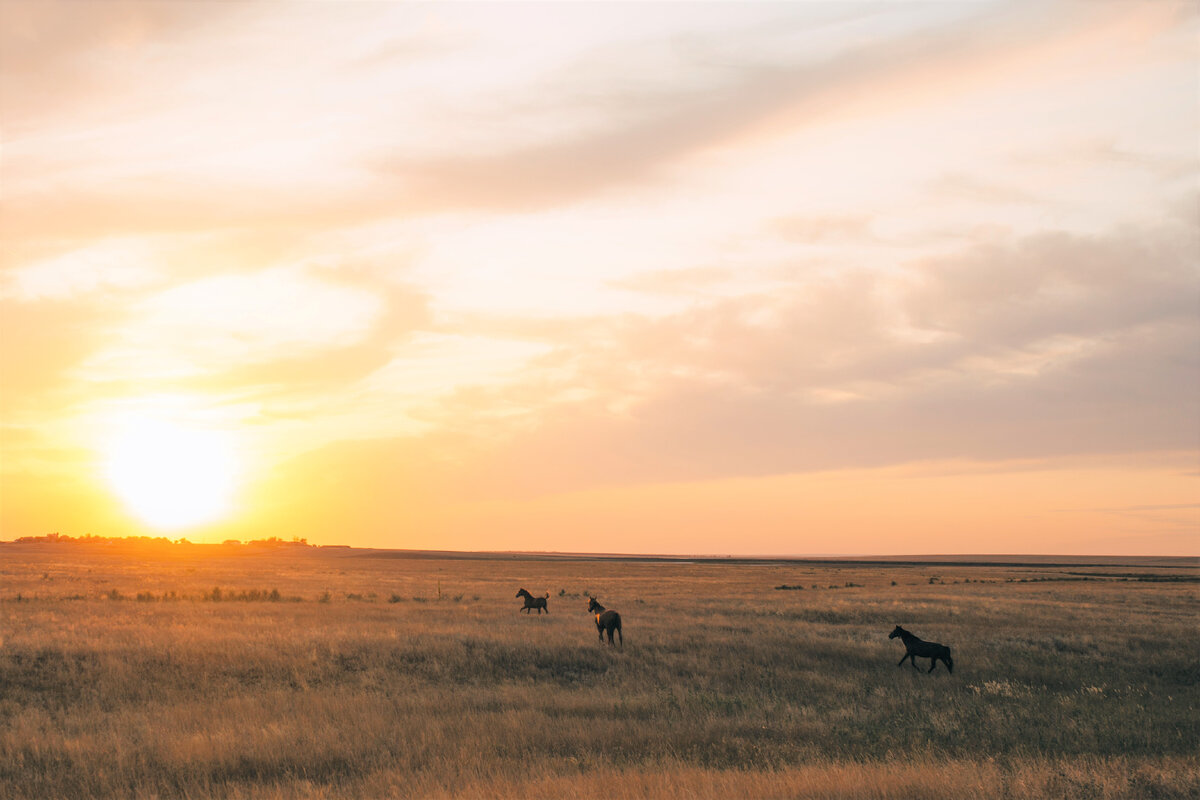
960	557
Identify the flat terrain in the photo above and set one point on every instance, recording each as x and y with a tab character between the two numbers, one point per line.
292	672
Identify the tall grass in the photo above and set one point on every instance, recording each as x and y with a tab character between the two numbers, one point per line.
725	687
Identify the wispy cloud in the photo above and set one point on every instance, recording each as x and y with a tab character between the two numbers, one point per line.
234	319
1044	347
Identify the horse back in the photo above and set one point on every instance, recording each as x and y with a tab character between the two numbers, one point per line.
926	649
609	620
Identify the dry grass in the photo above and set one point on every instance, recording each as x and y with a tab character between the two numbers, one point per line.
396	677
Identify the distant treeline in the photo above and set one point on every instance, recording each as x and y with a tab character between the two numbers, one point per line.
157	541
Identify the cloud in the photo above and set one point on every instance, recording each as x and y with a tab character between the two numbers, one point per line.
159	205
838	229
307	374
1059	284
686	281
218	148
751	99
55	54
1051	345
104	264
1090	151
215	323
42	342
968	188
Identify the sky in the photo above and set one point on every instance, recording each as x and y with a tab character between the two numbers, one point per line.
697	278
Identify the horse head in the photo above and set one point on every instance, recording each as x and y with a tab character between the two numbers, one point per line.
593	606
898	632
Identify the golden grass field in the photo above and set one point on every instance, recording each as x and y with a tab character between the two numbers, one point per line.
380	677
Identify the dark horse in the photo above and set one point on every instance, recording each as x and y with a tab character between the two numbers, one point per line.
606	621
915	648
534	602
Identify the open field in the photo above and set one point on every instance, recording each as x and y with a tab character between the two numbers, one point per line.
318	672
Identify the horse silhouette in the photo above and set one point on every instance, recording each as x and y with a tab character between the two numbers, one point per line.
534	602
914	648
606	621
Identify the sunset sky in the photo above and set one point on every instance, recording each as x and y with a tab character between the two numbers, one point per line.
753	278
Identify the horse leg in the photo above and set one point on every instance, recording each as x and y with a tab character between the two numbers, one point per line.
621	636
901	664
932	662
912	659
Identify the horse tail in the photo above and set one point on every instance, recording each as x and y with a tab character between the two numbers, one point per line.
546	595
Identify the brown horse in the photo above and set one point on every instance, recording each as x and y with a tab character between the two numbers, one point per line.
534	602
914	648
606	622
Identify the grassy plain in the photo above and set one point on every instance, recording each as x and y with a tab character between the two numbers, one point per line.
322	673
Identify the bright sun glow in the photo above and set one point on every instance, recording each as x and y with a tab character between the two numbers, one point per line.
172	476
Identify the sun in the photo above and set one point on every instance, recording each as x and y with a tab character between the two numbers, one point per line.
172	476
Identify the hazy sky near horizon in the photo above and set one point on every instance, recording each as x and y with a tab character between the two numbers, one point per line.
681	277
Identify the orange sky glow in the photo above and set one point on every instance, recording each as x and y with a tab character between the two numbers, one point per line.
693	278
